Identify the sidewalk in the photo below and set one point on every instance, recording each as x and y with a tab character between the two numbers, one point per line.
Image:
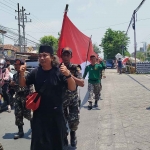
123	121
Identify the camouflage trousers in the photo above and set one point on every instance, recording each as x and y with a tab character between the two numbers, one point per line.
20	110
71	110
94	89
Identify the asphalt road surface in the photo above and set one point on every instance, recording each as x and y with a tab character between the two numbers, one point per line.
121	122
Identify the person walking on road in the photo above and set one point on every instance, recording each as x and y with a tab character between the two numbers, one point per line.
20	99
48	126
71	107
4	85
94	80
119	66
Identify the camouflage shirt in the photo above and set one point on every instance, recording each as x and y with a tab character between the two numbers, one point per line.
71	98
17	88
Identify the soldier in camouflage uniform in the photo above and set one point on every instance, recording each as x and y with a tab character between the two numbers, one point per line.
71	100
94	80
20	99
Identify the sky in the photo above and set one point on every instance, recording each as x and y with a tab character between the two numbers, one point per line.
92	17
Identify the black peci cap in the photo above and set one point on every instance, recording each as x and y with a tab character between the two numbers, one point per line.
46	49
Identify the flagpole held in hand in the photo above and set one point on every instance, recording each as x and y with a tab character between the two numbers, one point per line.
88	50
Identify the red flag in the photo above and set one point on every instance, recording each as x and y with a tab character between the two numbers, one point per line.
80	44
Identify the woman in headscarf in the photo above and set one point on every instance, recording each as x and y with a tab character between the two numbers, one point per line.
48	126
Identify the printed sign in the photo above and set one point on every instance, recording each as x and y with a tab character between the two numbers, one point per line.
143	67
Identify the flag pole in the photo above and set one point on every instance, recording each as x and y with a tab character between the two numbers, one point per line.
88	49
60	39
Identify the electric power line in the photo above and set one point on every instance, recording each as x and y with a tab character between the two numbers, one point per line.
33	37
6	5
10	3
133	15
7	12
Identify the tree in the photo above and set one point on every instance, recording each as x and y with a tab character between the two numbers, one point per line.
126	53
148	47
96	48
114	42
51	41
141	56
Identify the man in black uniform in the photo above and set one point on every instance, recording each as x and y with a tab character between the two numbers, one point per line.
71	107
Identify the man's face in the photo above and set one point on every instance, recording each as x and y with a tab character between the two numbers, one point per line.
17	65
45	59
8	62
93	60
100	60
66	56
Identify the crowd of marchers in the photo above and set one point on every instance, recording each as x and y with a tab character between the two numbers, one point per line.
55	87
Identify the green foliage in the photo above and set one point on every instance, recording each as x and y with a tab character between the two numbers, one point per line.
114	42
96	48
126	53
51	41
148	47
141	56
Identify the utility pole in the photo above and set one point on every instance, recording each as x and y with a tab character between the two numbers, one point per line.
19	41
24	19
134	28
23	26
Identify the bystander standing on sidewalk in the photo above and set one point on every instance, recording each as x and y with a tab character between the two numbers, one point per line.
120	66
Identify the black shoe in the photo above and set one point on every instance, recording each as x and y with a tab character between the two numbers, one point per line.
20	133
90	106
73	139
96	104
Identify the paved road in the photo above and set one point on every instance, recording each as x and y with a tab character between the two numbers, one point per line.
121	122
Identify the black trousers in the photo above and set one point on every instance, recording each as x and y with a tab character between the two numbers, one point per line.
48	131
5	91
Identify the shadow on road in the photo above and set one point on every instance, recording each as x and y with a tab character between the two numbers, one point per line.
94	108
148	108
11	135
84	100
139	83
72	148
